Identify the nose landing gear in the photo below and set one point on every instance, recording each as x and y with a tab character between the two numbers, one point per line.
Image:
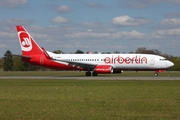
155	74
157	71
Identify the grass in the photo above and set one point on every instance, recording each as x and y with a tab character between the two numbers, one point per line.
89	100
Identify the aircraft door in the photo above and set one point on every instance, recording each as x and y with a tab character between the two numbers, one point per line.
152	61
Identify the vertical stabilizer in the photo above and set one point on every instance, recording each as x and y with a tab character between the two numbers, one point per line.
28	45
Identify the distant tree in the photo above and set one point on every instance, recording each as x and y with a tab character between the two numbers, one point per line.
156	52
106	52
58	52
18	64
79	52
169	57
116	52
143	50
8	61
1	62
96	52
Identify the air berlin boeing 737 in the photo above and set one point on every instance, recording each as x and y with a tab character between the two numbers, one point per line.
91	63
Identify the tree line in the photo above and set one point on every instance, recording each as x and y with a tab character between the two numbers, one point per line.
14	63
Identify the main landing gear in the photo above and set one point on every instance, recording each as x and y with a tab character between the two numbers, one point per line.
88	73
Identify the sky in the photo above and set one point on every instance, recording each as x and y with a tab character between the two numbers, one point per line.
91	25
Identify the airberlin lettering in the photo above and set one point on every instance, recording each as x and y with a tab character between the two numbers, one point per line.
125	60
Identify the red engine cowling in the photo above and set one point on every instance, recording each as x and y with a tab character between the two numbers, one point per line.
103	69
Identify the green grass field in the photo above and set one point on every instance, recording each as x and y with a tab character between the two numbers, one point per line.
89	100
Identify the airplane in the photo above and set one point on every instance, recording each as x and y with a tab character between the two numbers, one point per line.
93	64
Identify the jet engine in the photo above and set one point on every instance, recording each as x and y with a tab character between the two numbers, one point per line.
103	69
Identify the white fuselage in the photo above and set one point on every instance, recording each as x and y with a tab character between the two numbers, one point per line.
117	61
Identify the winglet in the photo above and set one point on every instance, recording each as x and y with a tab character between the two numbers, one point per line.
45	53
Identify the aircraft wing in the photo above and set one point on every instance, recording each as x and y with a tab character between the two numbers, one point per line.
72	63
78	64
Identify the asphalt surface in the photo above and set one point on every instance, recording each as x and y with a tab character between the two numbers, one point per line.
91	78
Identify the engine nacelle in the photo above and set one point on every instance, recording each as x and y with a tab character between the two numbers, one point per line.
103	69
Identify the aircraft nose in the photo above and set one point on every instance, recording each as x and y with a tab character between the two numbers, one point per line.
170	64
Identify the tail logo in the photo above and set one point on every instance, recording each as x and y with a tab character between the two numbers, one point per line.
25	41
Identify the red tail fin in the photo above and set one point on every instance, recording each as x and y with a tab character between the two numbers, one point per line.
28	45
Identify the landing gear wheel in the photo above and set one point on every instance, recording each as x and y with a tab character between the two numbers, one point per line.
88	73
94	73
155	74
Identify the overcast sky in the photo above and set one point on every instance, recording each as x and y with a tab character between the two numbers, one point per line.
92	25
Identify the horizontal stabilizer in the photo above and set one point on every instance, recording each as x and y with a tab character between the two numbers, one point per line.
22	56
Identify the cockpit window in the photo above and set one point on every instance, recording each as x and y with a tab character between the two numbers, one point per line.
162	59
